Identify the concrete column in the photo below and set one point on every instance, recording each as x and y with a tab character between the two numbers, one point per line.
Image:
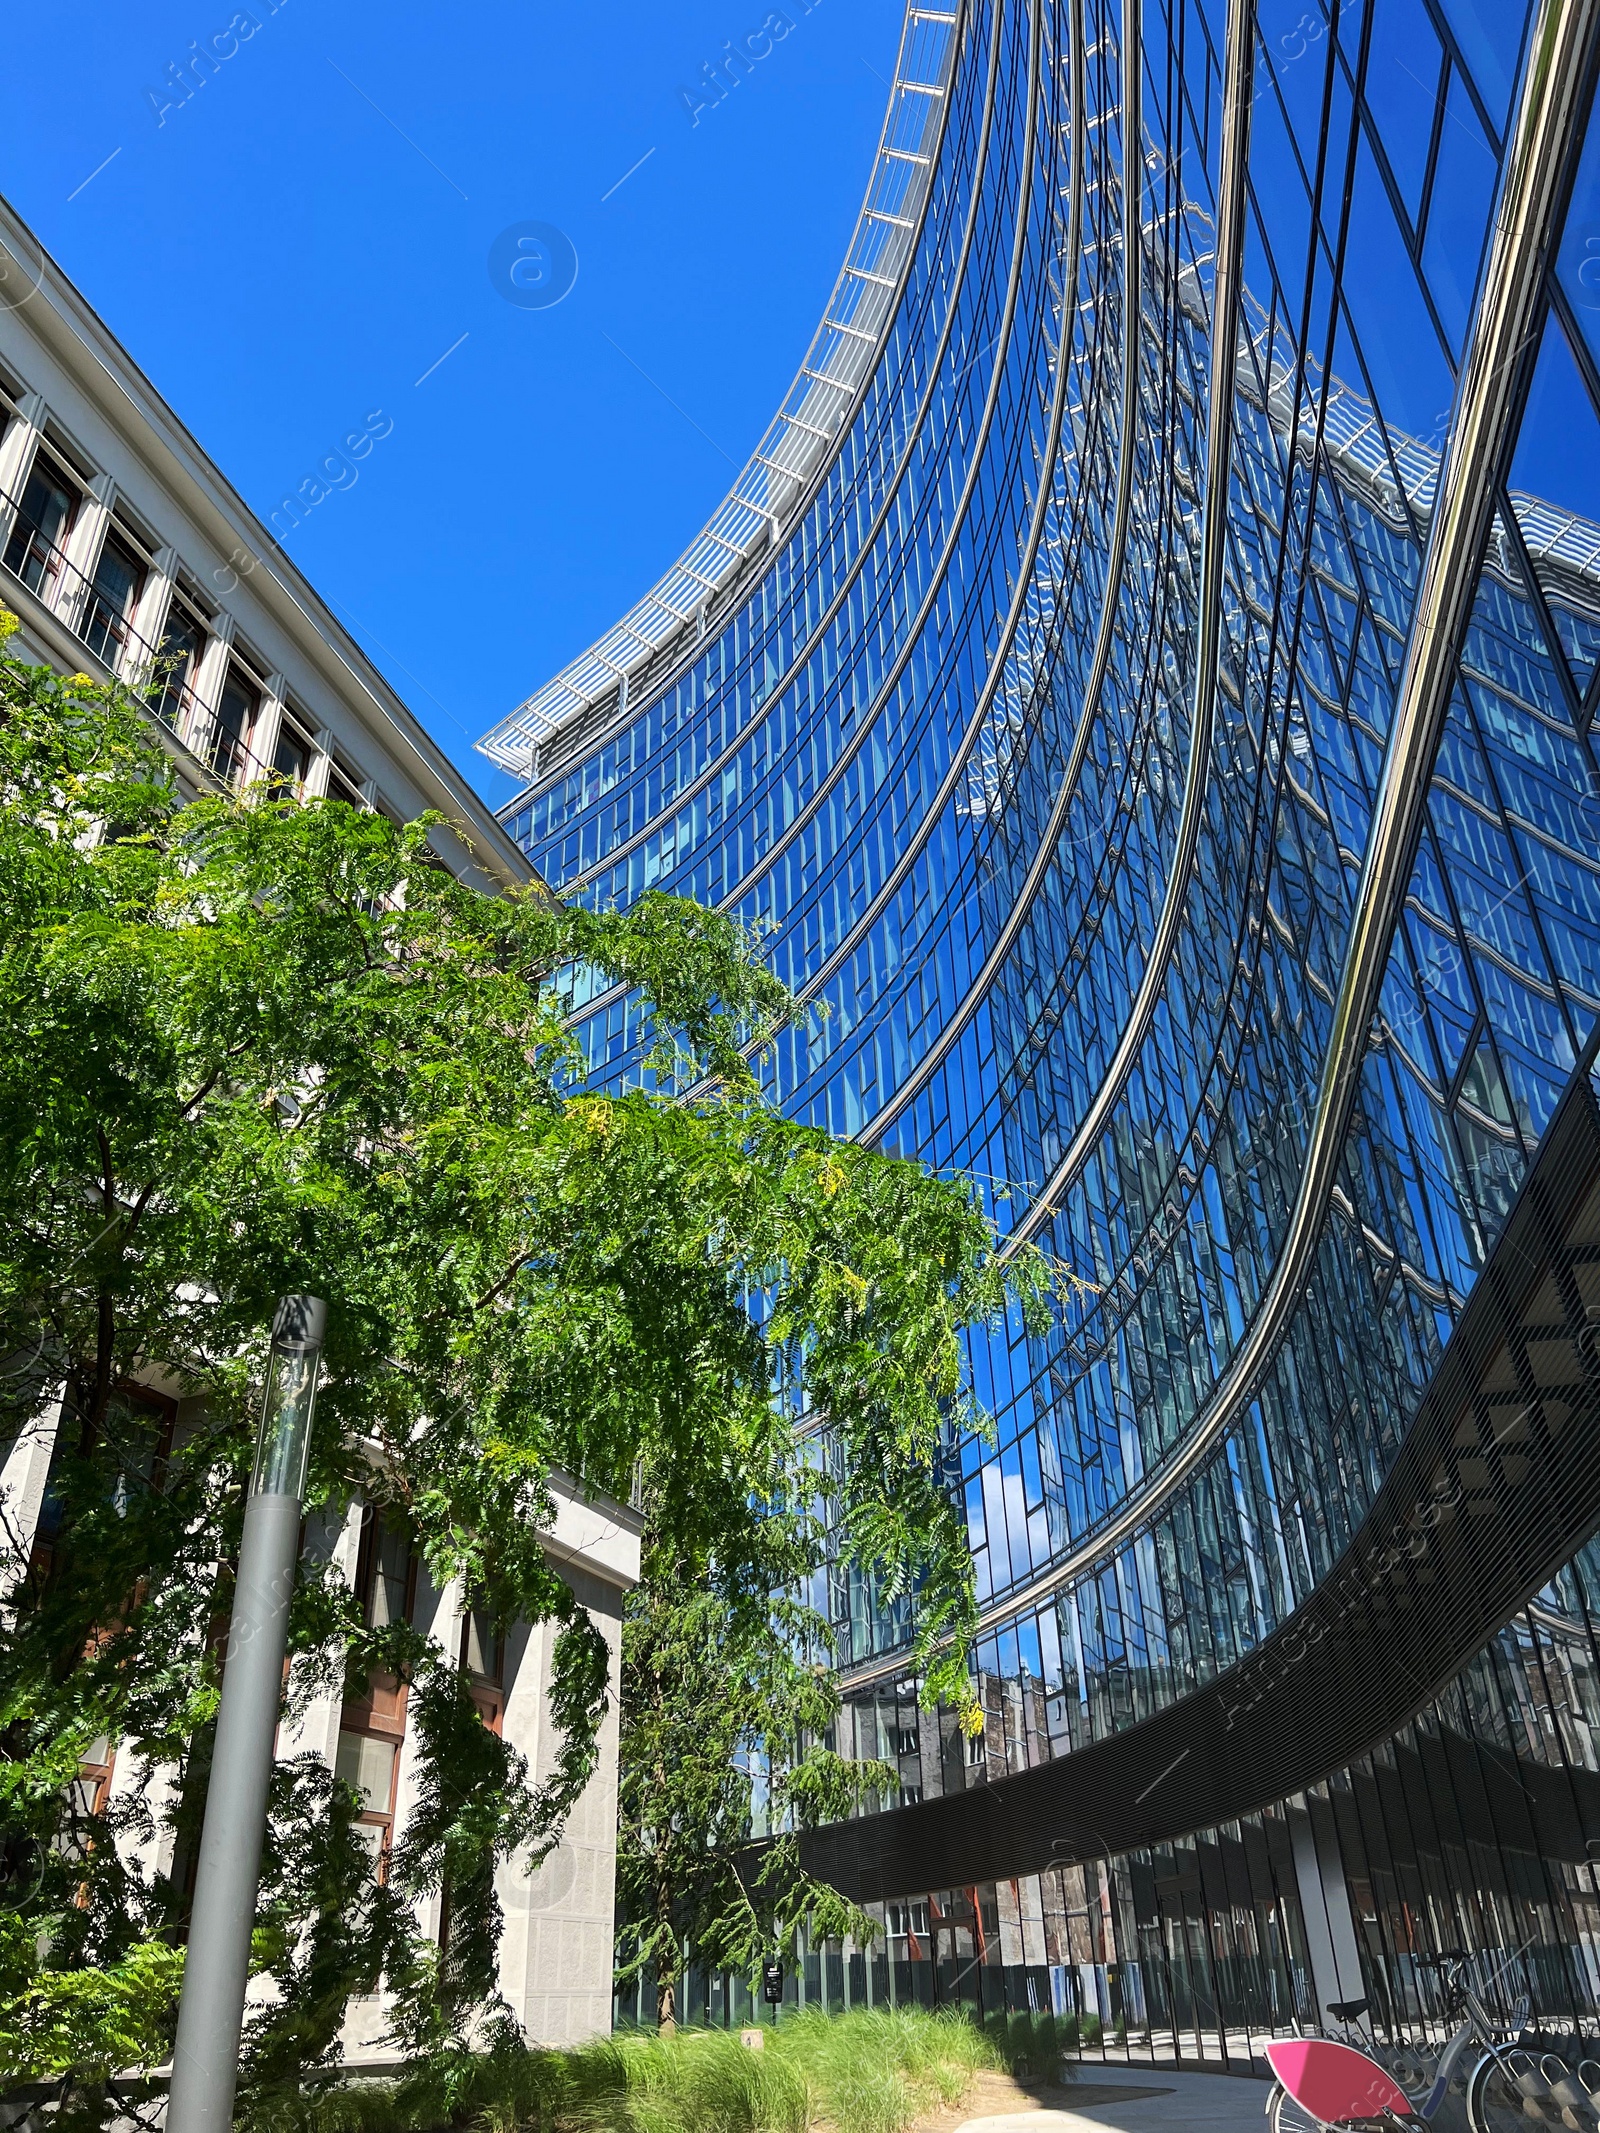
329	1539
205	687
83	550
155	602
17	448
560	1923
264	741
321	765
24	1471
156	1784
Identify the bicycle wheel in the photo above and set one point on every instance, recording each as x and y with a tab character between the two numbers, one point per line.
1284	2115
1496	2105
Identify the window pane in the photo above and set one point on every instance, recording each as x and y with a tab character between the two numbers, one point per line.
1579	266
236	719
291	759
1555	483
390	1573
1458	212
1404	78
181	643
118	579
42	525
368	1766
1489	33
236	714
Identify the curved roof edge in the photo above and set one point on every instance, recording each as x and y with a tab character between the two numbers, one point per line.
806	430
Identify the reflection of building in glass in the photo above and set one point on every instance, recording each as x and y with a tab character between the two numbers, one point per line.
1212	868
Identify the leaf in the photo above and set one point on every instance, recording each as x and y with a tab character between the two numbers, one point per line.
250	1047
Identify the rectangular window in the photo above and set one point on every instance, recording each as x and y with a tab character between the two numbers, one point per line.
139	1427
237	713
368	1764
35	550
113	597
90	1791
371	1766
483	1657
344	783
291	759
482	1647
374	1718
183	643
383	1571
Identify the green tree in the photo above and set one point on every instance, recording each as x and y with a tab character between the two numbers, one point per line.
252	1046
725	1738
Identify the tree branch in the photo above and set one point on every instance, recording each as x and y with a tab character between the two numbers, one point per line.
210	1082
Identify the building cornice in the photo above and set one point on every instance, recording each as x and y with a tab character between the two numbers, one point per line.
60	320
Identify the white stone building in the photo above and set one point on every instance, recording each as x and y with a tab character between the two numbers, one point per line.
123	548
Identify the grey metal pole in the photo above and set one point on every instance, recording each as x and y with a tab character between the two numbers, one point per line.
205	2060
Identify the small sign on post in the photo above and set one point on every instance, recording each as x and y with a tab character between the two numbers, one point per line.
772	1984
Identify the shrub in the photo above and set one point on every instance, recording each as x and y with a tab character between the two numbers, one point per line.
875	2070
871	2071
90	2024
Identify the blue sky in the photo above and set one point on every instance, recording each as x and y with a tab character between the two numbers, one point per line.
292	248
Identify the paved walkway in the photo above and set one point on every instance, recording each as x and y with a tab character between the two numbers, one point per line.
1218	2103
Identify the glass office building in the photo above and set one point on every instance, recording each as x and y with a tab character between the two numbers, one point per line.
1146	679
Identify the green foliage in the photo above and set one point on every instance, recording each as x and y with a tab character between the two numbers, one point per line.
325	1927
871	2071
877	2069
721	1709
703	2081
90	2024
249	1047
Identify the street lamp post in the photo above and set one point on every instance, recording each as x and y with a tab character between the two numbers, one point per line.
205	2060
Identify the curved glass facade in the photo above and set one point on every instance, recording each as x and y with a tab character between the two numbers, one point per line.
1161	733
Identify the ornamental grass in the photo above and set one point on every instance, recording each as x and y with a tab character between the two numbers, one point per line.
872	2071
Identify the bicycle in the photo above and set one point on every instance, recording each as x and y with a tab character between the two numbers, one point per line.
1323	2086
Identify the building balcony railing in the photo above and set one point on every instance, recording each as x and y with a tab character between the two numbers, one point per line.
34	561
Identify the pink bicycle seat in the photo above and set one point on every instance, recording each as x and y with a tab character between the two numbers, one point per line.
1333	2082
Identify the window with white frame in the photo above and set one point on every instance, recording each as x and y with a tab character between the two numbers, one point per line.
48	509
178	656
114	594
10	395
237	715
344	782
291	758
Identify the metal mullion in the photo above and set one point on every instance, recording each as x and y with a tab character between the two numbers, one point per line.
1431	166
1538	600
1511	291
